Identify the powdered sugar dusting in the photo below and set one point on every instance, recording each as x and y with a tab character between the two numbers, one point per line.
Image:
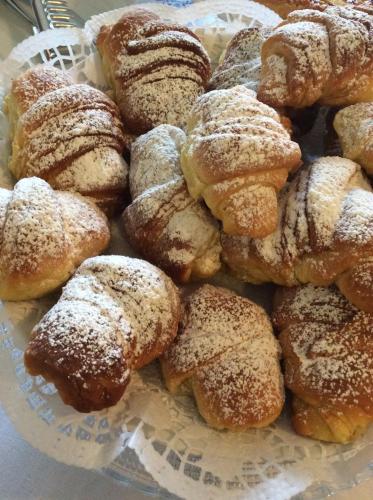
235	143
326	204
283	81
327	188
157	69
328	356
36	82
82	334
114	310
33	227
155	158
83	224
327	56
244	383
226	345
356	224
73	138
354	125
156	49
100	170
163	222
42	226
312	303
241	63
147	298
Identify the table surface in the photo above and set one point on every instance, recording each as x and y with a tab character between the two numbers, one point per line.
25	472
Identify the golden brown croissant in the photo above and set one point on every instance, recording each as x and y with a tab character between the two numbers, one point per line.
354	126
324	234
44	236
164	223
114	316
328	351
71	136
237	157
156	69
227	352
284	8
240	63
319	56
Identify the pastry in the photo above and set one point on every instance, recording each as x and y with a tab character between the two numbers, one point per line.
284	8
328	351
45	235
240	63
164	223
71	136
114	316
354	126
237	157
319	56
157	69
226	352
29	87
324	234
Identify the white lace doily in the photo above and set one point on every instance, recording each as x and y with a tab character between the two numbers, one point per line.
173	448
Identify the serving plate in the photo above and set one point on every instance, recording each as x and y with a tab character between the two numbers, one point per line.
153	441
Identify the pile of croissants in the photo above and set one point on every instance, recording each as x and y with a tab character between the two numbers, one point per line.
216	179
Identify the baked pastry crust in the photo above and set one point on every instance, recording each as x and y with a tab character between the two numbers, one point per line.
226	352
237	157
45	235
68	134
115	315
319	56
240	63
163	222
284	8
328	351
29	87
156	69
324	234
354	126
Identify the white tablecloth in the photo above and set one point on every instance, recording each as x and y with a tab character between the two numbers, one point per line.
26	473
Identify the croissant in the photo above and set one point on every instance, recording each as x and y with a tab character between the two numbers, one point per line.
44	236
71	136
328	351
156	69
324	234
319	56
240	63
284	8
114	316
164	223
354	126
237	157
227	352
